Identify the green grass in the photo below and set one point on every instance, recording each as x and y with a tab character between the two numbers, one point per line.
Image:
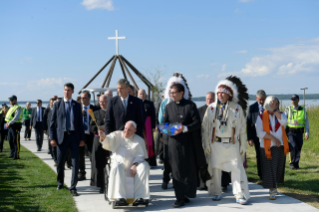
302	184
29	184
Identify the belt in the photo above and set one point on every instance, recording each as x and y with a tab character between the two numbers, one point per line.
223	140
69	132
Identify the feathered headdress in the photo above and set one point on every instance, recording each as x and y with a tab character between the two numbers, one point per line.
236	90
177	78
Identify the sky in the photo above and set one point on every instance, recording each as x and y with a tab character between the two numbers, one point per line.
270	44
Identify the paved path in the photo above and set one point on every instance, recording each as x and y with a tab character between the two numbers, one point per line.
91	200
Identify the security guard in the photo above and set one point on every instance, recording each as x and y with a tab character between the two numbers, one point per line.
297	124
13	119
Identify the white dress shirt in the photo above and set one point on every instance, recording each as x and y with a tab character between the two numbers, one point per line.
71	114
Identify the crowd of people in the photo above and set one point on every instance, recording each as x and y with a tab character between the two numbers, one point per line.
206	152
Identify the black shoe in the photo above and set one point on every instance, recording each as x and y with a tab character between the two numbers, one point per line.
101	190
11	156
59	187
38	149
81	177
186	200
121	202
74	193
164	185
224	188
160	162
141	201
178	203
292	167
0	150
49	153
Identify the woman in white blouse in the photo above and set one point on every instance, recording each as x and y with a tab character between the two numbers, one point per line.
270	127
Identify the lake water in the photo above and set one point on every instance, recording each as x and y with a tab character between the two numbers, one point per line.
309	102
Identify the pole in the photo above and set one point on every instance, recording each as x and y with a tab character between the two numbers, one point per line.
304	96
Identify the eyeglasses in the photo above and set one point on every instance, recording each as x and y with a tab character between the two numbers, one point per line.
173	93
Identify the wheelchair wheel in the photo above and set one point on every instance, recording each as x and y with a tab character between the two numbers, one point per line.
107	174
113	205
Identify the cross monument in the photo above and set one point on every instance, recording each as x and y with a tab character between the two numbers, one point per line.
116	38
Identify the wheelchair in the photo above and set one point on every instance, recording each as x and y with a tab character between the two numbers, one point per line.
112	202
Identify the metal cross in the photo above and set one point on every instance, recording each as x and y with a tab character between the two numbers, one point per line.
116	38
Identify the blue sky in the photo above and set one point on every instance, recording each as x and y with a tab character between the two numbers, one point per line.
271	45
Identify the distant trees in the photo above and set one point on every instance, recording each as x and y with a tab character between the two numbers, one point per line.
156	77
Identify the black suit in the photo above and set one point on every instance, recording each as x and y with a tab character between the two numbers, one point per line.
39	124
116	117
3	132
66	140
201	111
88	138
251	133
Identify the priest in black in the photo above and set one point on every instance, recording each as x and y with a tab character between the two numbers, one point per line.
181	153
99	155
150	124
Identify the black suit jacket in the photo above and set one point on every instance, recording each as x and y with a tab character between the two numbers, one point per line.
202	111
58	121
2	122
116	117
251	120
33	119
48	114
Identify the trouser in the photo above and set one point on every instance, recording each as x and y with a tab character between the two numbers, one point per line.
167	166
88	139
14	140
69	142
258	158
226	178
49	146
296	141
39	134
27	131
52	150
238	179
4	135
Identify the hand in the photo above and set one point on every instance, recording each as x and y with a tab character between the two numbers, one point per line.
44	131
133	171
251	143
179	130
82	143
306	136
277	142
53	143
30	127
83	112
102	127
8	125
29	115
102	135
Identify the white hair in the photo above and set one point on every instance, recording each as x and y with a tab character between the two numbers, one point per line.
170	83
268	101
133	123
105	96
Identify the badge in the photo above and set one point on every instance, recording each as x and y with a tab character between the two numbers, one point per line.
181	116
225	140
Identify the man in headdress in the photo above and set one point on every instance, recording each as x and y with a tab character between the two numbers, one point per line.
224	138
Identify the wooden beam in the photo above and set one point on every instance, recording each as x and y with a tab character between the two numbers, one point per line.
122	68
129	74
108	73
108	82
106	64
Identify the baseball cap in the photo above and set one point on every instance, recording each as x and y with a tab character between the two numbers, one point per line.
13	97
294	96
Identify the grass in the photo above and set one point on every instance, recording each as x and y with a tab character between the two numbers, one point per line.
302	184
29	184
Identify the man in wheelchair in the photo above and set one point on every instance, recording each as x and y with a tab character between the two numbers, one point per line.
129	174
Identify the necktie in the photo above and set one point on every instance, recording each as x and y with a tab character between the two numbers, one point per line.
67	113
124	103
85	119
38	115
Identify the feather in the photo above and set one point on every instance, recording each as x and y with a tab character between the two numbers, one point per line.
91	113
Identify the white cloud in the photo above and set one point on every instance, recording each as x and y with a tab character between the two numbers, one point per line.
202	76
98	4
284	60
47	83
241	52
224	67
245	1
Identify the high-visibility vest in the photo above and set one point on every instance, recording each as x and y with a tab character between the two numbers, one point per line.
296	118
10	114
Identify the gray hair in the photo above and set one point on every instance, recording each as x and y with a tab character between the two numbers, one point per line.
261	93
124	82
105	96
87	93
28	103
210	93
268	101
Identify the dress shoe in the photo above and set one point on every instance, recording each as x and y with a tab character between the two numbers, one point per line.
49	153
224	188
160	162
29	139
81	177
11	156
101	190
121	202
186	200
59	187
140	201
178	203
55	163
38	150
74	193
164	185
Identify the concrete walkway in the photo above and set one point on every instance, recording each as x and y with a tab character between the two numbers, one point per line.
91	200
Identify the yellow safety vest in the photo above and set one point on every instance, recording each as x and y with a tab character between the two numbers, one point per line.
296	118
10	114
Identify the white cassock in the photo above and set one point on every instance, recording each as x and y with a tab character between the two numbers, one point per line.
125	152
226	156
